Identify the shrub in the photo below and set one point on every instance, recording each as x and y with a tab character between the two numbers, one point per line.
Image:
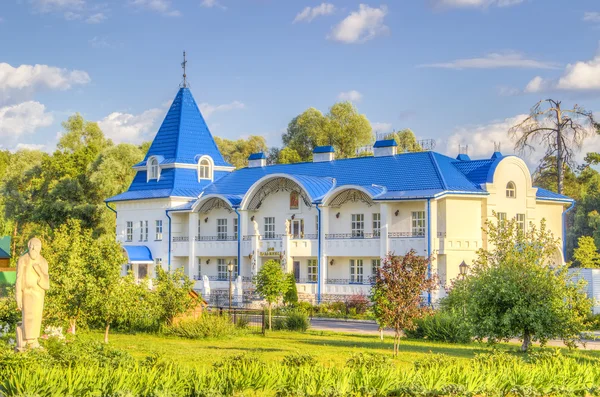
299	360
297	321
242	322
8	310
368	361
206	326
358	302
441	327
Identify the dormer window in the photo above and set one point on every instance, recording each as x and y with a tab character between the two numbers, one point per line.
511	190
205	168
153	169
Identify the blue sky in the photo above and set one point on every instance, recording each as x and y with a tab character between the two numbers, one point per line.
458	71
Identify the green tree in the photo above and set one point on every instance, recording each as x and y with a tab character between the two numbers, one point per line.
406	140
515	290
398	290
343	127
288	156
237	152
561	131
271	284
291	294
172	290
586	254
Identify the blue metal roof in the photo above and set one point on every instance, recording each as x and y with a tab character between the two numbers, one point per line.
463	157
547	195
138	253
385	143
184	134
476	170
324	149
257	156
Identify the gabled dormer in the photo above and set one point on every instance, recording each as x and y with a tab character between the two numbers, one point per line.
183	157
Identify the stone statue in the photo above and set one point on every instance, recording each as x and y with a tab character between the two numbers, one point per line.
256	231
31	286
206	283
238	286
287	227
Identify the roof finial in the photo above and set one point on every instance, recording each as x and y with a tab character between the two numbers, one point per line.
183	65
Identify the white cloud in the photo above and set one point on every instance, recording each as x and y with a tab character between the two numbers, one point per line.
126	127
591	16
212	4
72	16
208	109
361	25
160	6
475	3
100	42
54	5
30	146
96	18
35	77
308	14
23	118
494	61
352	96
578	76
381	128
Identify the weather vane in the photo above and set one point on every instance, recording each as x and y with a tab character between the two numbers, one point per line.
183	65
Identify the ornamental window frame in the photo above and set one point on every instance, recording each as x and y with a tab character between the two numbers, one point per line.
206	167
153	169
511	190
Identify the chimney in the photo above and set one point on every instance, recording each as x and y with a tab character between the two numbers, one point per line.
257	160
385	147
323	153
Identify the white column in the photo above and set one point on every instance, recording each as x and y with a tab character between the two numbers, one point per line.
192	232
285	247
255	238
384	210
324	258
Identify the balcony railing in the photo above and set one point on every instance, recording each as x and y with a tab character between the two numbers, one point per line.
310	280
272	237
215	238
304	236
341	236
351	281
406	234
181	239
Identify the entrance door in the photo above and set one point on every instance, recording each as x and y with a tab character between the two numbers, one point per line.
298	228
297	270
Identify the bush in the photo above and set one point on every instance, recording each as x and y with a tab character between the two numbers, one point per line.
206	326
242	322
299	360
592	322
8	310
358	302
441	327
292	320
368	361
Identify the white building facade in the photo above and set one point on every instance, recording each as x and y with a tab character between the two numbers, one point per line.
329	222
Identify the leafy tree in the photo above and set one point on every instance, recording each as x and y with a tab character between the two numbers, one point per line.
305	132
172	291
291	295
397	295
406	140
515	290
343	127
271	283
288	156
561	131
347	130
237	152
586	254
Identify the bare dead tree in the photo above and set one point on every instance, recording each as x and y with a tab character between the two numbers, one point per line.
562	131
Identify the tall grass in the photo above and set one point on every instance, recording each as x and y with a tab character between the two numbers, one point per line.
487	375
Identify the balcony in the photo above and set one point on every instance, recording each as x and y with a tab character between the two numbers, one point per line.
304	236
180	245
352	244
312	280
353	236
351	281
219	245
402	242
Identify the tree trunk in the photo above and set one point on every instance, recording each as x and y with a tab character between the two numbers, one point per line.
270	328
526	341
106	332
559	147
14	240
396	341
71	329
381	333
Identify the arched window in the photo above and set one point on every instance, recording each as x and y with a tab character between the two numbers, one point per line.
511	190
153	169
204	169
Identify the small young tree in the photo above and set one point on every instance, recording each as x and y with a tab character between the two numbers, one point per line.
397	295
291	295
172	291
516	290
271	284
586	254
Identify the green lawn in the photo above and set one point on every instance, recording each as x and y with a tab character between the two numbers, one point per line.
329	348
